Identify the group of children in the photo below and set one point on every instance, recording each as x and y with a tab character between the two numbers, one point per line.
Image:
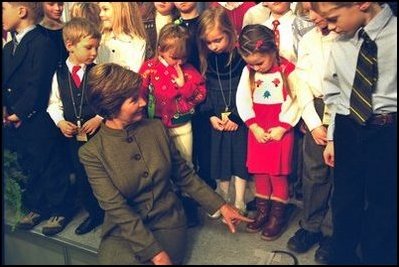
236	92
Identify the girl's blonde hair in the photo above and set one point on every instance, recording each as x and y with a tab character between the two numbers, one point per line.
211	19
176	37
127	19
258	38
87	10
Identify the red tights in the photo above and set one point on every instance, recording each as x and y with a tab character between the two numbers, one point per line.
272	186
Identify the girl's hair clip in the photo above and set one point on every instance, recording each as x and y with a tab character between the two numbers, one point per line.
258	44
179	21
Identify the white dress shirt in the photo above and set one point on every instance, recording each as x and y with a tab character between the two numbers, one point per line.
313	51
55	107
256	15
286	34
341	68
161	20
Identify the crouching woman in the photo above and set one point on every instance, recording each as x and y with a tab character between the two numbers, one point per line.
133	166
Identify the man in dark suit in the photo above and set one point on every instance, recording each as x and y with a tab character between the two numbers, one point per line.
29	62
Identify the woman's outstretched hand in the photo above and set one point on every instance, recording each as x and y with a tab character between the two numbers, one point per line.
232	217
162	258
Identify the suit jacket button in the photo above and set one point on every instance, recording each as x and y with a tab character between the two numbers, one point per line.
137	157
145	174
129	139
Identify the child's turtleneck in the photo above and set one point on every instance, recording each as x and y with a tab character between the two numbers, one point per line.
190	15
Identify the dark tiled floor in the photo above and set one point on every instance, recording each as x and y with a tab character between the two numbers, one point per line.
211	243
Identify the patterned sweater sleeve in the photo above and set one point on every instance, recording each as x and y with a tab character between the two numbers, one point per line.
244	99
193	91
145	72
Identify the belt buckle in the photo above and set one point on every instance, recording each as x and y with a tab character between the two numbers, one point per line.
384	119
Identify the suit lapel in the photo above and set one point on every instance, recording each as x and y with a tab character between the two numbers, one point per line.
13	62
7	61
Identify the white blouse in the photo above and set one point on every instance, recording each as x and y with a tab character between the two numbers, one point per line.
313	51
161	20
124	50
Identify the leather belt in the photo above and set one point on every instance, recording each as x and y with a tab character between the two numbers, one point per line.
382	119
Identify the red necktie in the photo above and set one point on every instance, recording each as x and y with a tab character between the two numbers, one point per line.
276	33
75	75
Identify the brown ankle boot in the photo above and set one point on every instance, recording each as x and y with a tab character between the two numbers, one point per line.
262	215
277	222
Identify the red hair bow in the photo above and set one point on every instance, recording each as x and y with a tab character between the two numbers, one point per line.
258	44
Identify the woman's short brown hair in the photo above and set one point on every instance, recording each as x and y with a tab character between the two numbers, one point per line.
109	85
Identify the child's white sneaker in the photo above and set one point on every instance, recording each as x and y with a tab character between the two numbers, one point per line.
216	215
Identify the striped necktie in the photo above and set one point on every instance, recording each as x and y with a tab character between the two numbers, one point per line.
365	81
14	42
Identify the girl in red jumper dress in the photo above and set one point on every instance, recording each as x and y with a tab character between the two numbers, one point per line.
268	107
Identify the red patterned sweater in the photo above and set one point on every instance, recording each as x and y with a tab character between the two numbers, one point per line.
169	98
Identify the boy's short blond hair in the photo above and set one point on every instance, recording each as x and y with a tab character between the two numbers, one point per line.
35	10
78	28
316	5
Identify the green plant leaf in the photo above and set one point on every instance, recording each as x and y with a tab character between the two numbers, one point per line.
13	179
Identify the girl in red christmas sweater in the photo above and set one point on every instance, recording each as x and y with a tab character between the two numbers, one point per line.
173	87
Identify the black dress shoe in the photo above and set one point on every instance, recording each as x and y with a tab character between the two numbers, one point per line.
193	221
87	225
251	205
30	220
322	254
55	224
303	240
